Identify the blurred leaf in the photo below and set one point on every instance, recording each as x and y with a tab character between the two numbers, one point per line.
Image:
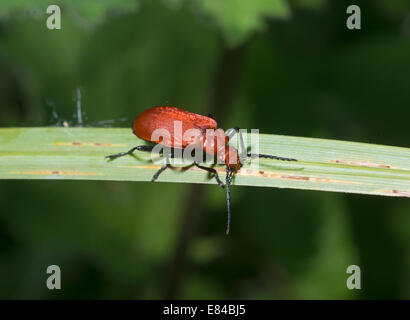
238	19
327	165
93	11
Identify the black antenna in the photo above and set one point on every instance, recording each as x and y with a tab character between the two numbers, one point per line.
267	156
228	199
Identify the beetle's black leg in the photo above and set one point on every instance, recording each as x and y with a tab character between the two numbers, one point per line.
164	167
145	148
213	171
267	156
139	148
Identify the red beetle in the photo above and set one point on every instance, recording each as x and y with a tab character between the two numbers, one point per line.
216	144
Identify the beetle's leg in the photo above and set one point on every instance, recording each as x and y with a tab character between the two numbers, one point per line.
267	156
213	171
139	148
145	148
230	133
164	167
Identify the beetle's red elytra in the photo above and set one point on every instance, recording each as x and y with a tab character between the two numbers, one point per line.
164	117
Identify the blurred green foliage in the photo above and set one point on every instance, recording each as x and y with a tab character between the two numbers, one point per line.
86	11
238	18
299	71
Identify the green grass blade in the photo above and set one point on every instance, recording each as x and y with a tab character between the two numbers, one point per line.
328	165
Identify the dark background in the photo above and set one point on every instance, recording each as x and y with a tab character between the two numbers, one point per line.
294	72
